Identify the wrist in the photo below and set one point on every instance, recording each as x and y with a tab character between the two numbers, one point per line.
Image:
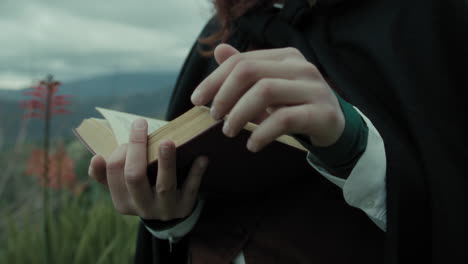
157	224
340	157
335	129
174	230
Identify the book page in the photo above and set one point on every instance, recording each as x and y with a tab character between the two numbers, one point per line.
121	123
103	123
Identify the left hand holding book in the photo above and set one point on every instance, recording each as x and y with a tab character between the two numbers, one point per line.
125	174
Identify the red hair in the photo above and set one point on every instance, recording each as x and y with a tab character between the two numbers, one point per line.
227	11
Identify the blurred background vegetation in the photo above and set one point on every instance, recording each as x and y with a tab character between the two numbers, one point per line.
84	226
124	56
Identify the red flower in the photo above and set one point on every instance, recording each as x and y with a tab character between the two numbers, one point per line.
33	104
45	101
61	170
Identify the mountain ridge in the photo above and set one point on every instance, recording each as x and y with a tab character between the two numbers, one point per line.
123	83
149	96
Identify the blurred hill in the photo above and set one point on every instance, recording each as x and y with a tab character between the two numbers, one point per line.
145	94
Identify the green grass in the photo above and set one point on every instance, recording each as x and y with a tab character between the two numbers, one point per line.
84	229
81	233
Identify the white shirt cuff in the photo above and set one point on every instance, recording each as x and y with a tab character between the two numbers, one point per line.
181	229
365	186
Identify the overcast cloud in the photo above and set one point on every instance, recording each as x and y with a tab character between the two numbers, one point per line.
83	38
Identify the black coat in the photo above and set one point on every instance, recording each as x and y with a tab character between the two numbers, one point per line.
403	63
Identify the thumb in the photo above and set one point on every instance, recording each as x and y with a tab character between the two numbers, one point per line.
223	52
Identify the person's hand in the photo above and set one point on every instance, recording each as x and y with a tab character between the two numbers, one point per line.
279	82
125	175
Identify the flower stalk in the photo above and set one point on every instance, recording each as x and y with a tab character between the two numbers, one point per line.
44	105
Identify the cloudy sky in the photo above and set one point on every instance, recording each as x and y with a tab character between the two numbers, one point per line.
76	39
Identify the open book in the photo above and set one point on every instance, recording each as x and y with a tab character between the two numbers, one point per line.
196	133
243	187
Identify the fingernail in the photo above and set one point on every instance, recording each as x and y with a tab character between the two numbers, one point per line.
214	113
90	171
252	146
195	97
164	150
227	129
140	123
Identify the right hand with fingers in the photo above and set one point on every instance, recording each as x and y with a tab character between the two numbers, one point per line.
125	175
